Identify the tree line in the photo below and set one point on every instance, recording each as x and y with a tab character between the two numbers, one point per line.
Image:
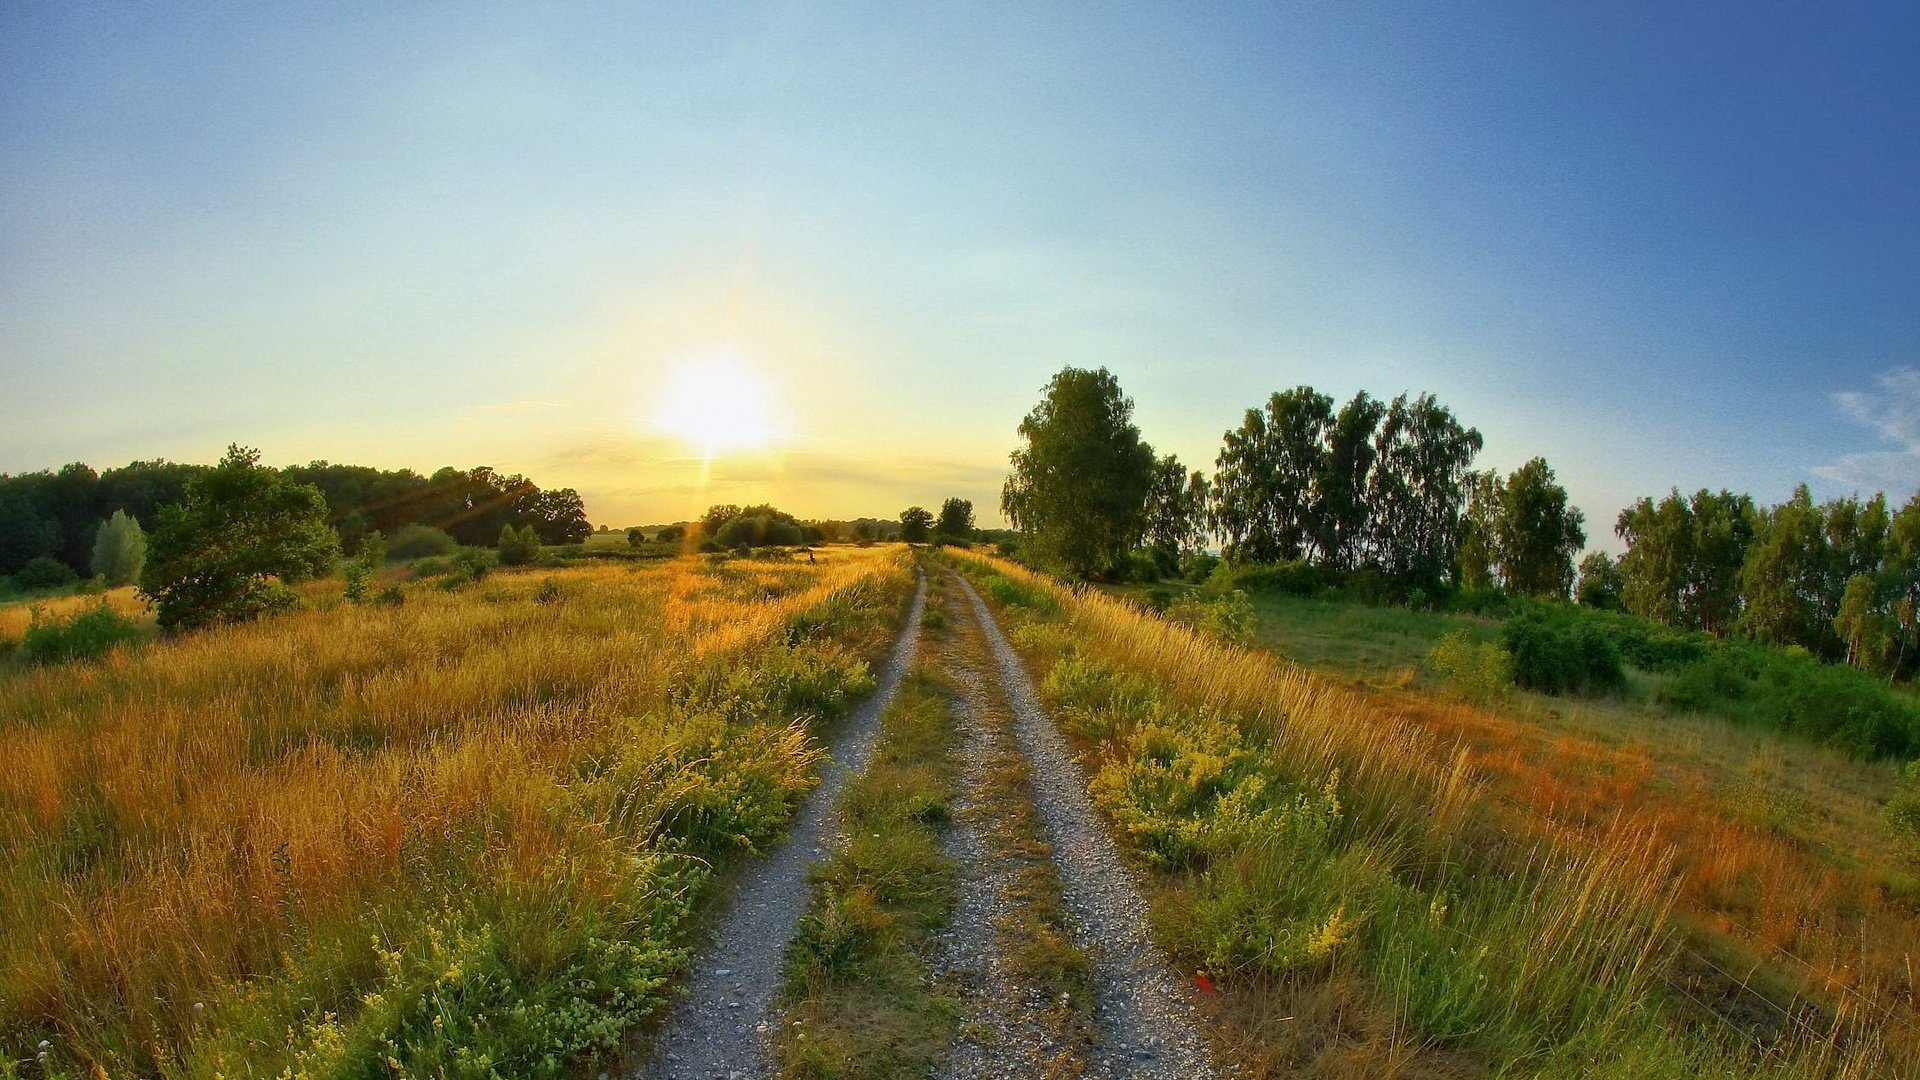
59	515
1378	487
1840	578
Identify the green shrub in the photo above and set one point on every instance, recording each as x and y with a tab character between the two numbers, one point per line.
1902	814
358	573
1019	594
419	542
44	572
1557	654
83	636
391	596
1492	603
1479	672
518	547
1296	578
1230	618
1195	566
1794	693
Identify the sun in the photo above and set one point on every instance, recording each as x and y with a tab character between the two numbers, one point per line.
720	404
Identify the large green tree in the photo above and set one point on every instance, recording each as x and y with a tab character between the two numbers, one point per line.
1078	489
1658	564
1176	508
1785	575
916	524
1264	481
1540	532
228	551
956	519
119	549
1340	485
1423	456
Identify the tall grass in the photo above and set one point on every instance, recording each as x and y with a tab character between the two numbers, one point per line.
461	836
1321	838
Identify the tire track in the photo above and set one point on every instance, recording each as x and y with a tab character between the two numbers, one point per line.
1147	1023
720	1028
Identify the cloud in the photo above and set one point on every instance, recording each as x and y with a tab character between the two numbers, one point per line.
1891	410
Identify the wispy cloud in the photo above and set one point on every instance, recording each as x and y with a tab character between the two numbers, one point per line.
1891	409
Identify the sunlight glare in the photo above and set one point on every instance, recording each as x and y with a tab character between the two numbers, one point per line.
718	403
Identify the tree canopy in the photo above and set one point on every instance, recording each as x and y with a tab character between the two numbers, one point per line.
1080	477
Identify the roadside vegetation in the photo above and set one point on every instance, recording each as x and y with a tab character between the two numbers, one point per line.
462	834
1317	854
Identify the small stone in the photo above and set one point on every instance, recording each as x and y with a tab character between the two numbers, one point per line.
733	1004
723	972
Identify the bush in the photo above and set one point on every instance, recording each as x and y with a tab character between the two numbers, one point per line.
1491	603
358	573
419	542
1794	693
1230	618
518	547
44	572
391	596
1196	565
84	636
1479	672
1559	654
1901	815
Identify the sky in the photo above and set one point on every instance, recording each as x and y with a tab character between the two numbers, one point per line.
1661	245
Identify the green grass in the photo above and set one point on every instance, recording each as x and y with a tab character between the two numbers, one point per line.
860	1000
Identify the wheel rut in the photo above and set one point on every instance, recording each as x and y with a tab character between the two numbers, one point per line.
720	1026
1145	1022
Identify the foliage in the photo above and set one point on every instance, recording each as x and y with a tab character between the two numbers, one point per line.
1294	578
420	542
1263	484
85	635
916	524
1794	693
1477	671
728	526
1601	582
1080	477
1229	616
956	519
228	551
671	534
518	547
636	537
44	572
1556	652
1902	814
119	549
1417	487
1176	509
358	574
1539	533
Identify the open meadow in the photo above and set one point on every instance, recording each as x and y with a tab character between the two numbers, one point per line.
463	834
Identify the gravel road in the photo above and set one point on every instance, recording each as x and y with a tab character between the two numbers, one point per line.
719	1029
1146	1019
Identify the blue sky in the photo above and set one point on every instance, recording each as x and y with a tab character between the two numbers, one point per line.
1659	244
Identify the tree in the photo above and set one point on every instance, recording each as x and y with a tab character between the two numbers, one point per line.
119	549
671	534
1658	567
518	547
636	537
1785	570
1600	582
1340	486
1176	509
1480	524
915	524
1422	458
1265	478
1722	531
1078	488
956	519
1539	532
1862	627
228	551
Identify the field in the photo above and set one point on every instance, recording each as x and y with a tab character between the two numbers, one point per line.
466	834
1796	911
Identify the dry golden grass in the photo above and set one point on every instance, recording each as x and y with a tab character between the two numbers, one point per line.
1610	861
177	824
16	615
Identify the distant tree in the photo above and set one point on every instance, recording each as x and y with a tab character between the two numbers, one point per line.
419	542
916	524
1540	532
1340	486
44	572
1658	568
1862	627
1422	458
1480	527
1722	530
636	537
1176	509
708	527
1783	576
956	519
1265	479
518	546
231	548
671	534
1078	488
1600	582
119	549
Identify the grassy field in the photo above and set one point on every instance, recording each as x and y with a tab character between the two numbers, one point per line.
464	835
1417	903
